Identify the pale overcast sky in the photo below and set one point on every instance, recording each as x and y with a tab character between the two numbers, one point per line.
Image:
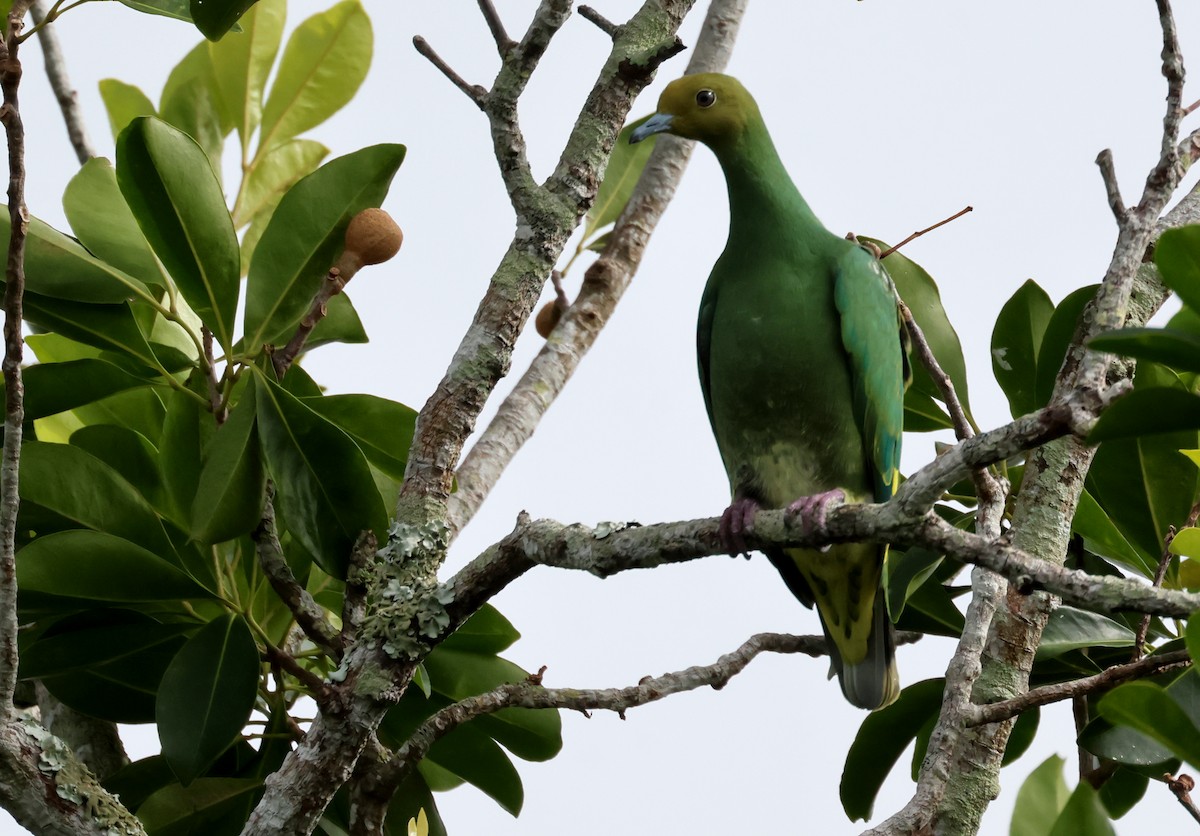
890	116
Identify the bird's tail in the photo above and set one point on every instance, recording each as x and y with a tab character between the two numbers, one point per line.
873	682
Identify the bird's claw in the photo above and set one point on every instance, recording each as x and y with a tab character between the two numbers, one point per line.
736	522
812	510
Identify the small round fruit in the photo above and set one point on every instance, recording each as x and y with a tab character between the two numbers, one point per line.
372	237
547	319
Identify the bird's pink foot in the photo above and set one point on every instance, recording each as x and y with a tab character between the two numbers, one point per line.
736	523
812	510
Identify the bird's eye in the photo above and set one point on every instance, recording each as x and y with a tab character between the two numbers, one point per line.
706	98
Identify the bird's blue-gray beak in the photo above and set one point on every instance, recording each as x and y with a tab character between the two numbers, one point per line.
656	124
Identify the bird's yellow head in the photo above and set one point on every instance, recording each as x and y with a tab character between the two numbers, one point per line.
710	107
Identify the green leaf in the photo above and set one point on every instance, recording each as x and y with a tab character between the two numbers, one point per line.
137	781
1124	789
187	429
191	102
1149	709
305	236
231	493
169	185
78	486
1148	412
242	62
1040	799
51	388
1193	637
57	266
176	9
216	17
273	173
922	414
323	64
1059	331
473	756
1170	346
1083	815
93	566
127	452
197	808
340	325
107	327
1101	536
624	168
206	696
906	572
1023	732
881	739
124	103
1072	629
930	609
325	491
382	429
1177	255
105	663
486	632
920	293
102	220
1016	340
1187	543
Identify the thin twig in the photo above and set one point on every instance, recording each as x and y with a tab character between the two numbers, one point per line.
1181	787
319	688
1111	187
926	230
958	415
332	286
60	83
1160	575
602	23
496	26
14	390
309	615
474	92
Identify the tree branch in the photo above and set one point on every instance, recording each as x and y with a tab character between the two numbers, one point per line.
1106	680
60	83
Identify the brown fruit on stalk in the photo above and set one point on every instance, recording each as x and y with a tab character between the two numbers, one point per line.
547	319
371	238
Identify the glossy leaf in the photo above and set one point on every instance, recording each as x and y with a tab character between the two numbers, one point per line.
201	807
1172	347
231	493
1177	255
216	17
177	9
1016	340
920	293
89	493
323	65
107	327
124	103
51	388
94	566
1083	815
382	429
242	62
325	490
1101	536
191	102
137	781
1040	800
1147	708
1148	412
625	166
1124	789
57	266
1186	542
880	741
127	452
187	429
485	632
1021	737
103	222
1071	629
922	414
1059	331
477	759
1193	637
272	174
340	325
169	185
105	663
206	696
906	572
306	235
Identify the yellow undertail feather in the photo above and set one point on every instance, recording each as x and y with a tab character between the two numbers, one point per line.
846	584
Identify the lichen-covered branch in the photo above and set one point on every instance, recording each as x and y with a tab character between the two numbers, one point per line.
604	284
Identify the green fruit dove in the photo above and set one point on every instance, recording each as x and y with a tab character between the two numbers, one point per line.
803	368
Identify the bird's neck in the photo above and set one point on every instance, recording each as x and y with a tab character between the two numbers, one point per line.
761	193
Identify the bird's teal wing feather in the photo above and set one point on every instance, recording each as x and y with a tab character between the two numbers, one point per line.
866	302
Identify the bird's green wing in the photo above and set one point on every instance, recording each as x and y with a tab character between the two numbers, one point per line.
704	325
866	302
